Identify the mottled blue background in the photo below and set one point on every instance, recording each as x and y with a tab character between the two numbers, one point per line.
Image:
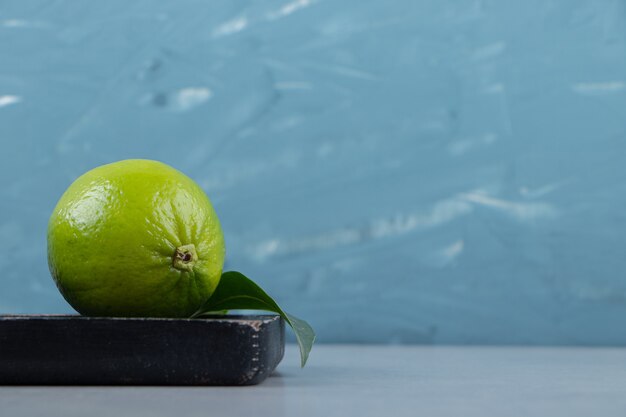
394	171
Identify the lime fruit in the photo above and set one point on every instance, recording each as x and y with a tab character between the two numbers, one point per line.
135	238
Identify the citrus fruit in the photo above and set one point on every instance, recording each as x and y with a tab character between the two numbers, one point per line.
135	238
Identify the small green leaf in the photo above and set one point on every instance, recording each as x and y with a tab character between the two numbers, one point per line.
238	292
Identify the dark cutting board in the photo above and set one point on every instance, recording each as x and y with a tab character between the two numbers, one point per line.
76	350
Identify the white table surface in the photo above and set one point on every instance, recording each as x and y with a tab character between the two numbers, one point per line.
353	380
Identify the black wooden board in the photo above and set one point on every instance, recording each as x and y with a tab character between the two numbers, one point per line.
76	350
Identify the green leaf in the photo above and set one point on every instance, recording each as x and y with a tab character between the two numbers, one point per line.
238	292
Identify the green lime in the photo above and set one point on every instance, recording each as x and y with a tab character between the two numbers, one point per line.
135	238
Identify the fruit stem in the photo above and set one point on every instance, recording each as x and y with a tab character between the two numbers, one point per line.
185	257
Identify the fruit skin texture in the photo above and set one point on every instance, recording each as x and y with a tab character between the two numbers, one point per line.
135	238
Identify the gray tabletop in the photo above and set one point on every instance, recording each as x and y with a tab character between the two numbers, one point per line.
343	380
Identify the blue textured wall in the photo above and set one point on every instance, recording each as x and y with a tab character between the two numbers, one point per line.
393	171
